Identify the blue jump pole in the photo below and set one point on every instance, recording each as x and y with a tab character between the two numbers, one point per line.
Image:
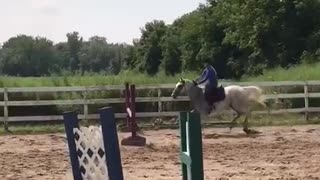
71	121
111	143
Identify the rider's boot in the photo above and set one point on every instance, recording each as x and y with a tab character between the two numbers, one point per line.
210	109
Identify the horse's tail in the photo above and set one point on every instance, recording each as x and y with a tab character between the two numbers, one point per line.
256	94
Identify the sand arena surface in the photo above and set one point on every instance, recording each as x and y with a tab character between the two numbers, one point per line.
278	153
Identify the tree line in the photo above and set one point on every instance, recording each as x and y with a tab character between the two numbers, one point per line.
38	56
237	37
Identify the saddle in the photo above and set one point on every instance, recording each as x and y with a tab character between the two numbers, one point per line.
216	95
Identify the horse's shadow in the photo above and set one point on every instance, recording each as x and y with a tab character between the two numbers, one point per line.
235	136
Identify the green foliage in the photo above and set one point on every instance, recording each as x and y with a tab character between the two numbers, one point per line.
300	72
149	51
99	56
251	40
92	79
172	54
27	56
239	38
296	73
74	44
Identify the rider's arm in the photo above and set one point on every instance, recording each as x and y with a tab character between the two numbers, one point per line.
203	77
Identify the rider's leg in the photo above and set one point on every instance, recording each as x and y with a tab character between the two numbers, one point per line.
207	95
218	94
214	94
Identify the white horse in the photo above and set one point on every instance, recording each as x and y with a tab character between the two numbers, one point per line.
238	98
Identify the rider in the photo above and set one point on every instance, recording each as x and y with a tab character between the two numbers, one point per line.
209	78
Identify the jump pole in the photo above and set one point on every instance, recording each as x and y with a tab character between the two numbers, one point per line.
134	139
191	156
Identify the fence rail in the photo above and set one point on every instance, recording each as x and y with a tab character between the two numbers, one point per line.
85	101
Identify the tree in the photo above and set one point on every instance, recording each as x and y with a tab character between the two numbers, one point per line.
96	55
74	44
171	53
268	33
27	56
149	47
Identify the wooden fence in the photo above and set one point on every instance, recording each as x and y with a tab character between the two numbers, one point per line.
85	101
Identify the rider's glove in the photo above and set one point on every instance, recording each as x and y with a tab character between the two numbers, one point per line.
195	82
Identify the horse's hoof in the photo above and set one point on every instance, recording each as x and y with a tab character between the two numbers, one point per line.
247	131
255	132
250	131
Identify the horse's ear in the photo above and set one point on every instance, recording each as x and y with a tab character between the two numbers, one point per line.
181	79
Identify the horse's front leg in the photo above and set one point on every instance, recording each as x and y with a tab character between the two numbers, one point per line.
246	124
233	121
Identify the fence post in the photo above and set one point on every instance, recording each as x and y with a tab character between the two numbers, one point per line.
85	106
306	102
5	109
159	103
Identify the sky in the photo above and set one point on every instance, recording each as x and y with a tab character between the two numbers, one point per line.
117	20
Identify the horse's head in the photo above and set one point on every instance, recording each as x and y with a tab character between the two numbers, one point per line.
182	86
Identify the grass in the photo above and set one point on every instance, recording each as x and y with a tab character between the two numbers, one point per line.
296	73
33	129
92	80
300	72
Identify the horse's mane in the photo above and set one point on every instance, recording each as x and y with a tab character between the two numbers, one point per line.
191	81
187	80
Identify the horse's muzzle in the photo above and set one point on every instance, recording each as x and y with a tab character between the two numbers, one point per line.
173	96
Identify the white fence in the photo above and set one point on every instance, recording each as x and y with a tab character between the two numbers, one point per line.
85	102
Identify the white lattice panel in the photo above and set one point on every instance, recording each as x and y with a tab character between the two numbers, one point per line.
91	153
